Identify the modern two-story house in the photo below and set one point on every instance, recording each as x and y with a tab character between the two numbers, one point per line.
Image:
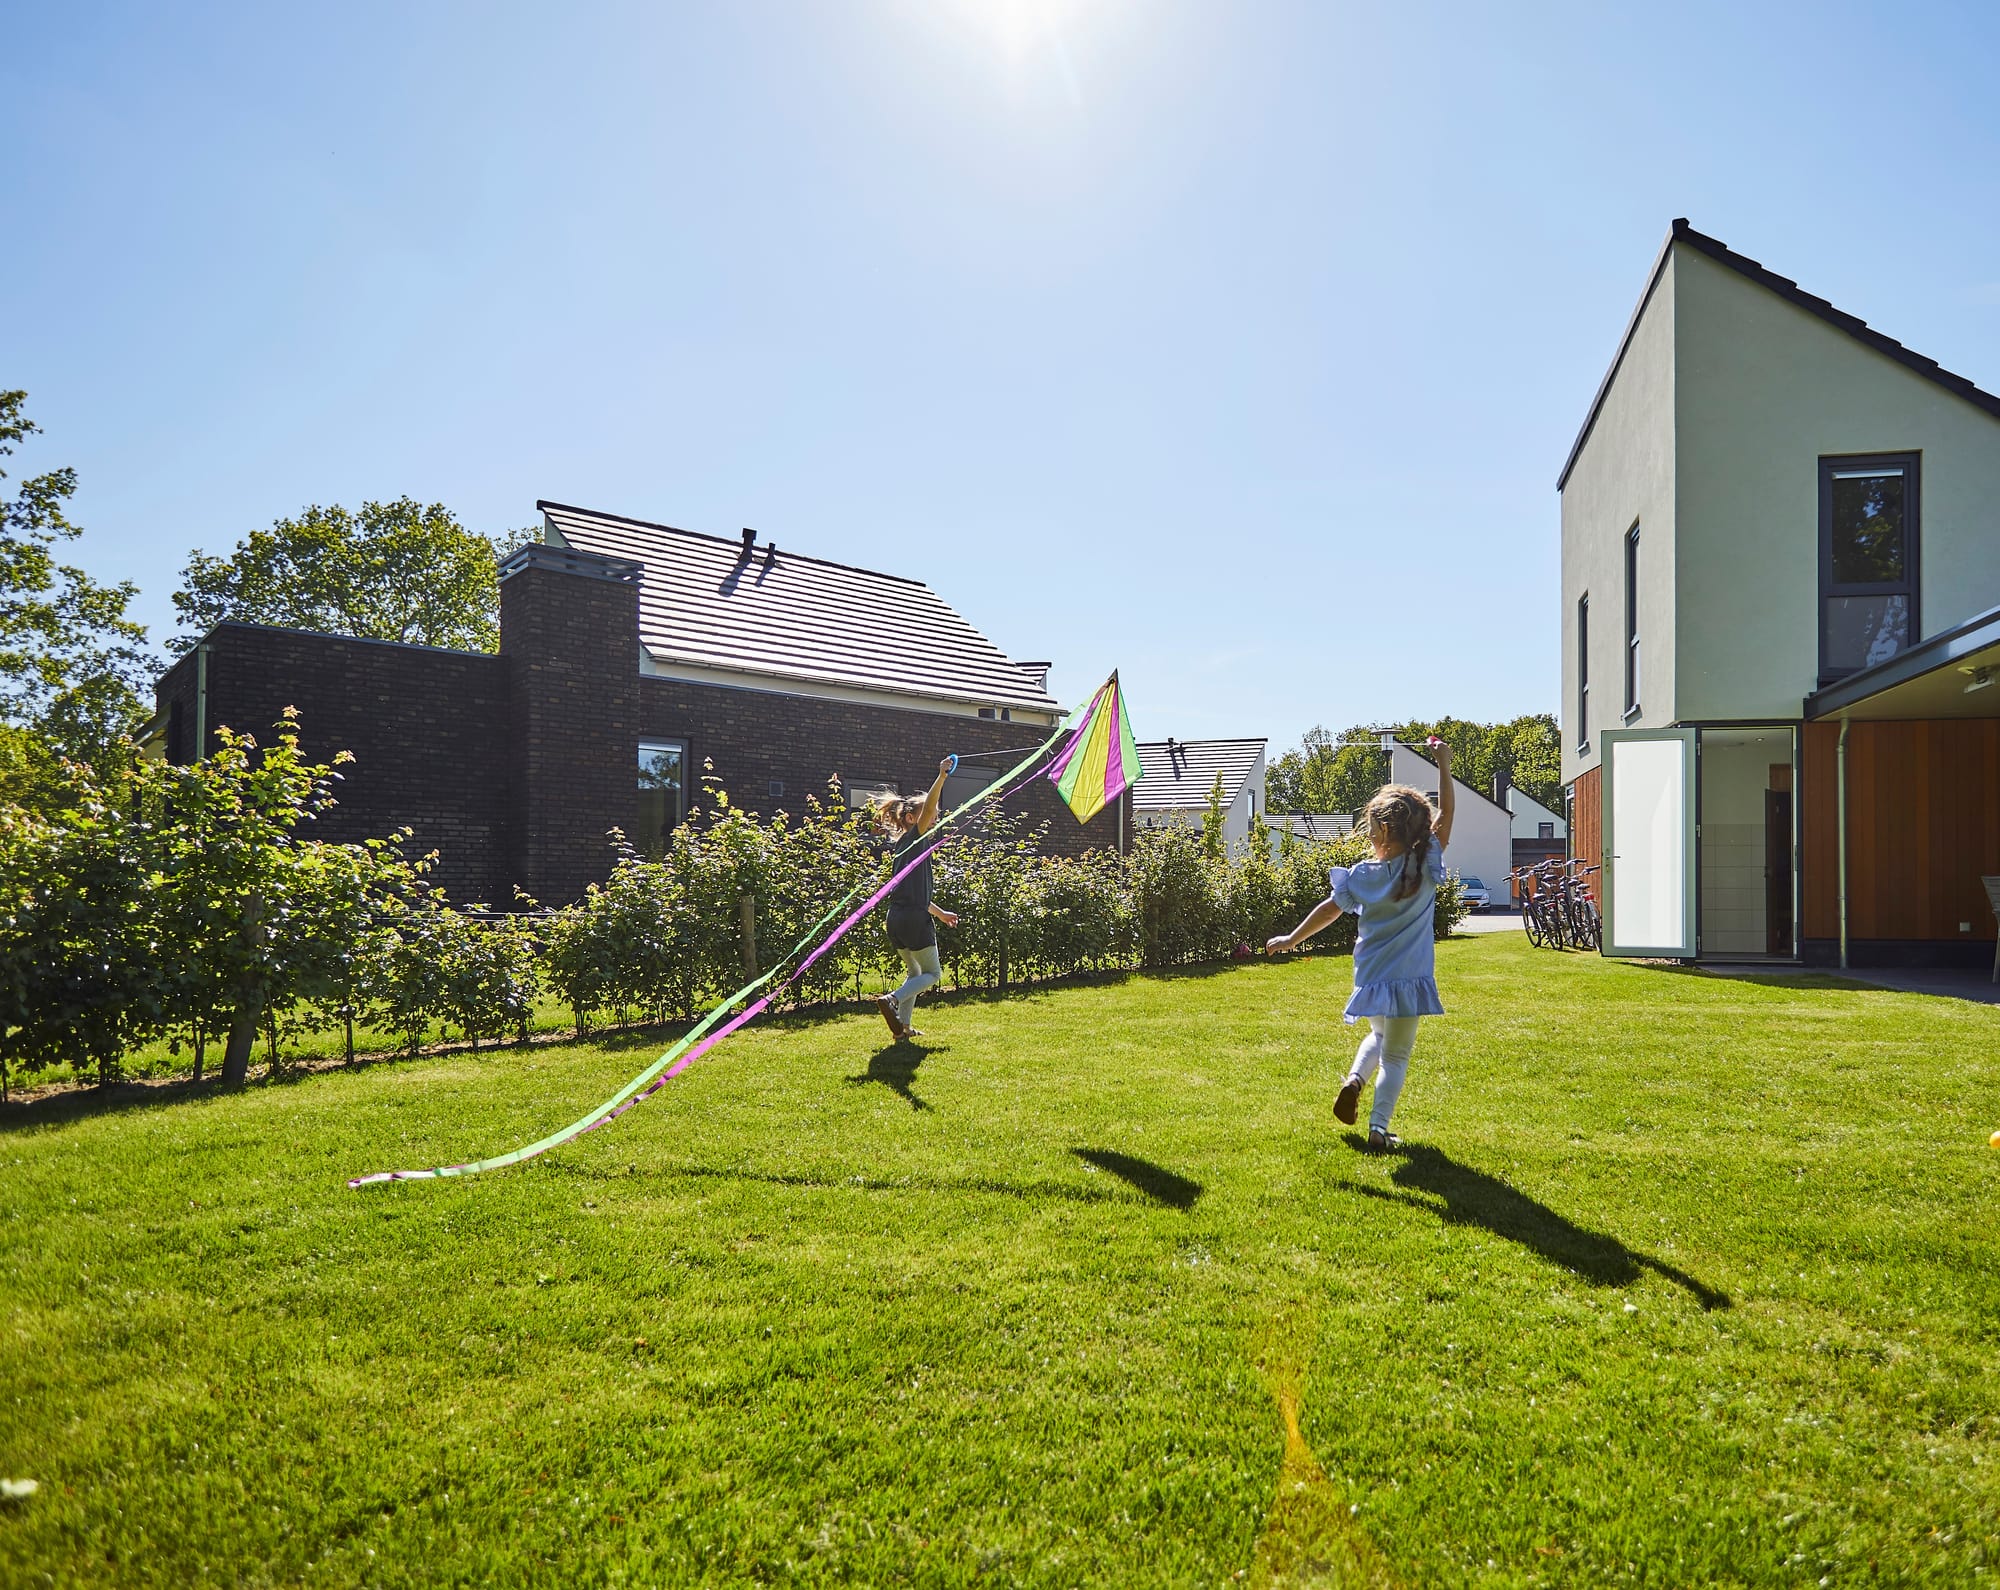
1780	619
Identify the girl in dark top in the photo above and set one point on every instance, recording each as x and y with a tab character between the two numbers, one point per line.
906	820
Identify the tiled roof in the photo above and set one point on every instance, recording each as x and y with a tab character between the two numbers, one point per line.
711	602
1181	777
1313	825
1791	292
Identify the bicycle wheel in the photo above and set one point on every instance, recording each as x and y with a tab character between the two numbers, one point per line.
1531	922
1593	925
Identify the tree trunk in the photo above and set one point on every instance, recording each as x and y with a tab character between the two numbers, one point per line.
242	1039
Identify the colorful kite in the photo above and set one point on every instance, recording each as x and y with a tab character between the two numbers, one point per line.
1101	758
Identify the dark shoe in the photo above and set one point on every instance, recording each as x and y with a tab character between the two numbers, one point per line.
887	1005
1381	1142
1347	1105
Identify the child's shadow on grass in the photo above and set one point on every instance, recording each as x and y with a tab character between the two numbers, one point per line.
1158	1183
895	1067
1473	1198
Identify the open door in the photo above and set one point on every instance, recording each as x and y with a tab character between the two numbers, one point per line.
1649	842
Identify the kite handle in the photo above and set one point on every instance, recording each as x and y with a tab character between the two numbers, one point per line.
953	760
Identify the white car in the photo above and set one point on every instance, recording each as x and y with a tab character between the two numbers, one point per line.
1473	892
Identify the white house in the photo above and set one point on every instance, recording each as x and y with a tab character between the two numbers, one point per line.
1533	820
1781	617
1482	830
1181	775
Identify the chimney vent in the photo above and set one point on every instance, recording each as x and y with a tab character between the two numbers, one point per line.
749	539
1501	784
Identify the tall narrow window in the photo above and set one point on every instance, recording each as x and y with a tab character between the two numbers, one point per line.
1867	561
1583	673
662	794
1632	621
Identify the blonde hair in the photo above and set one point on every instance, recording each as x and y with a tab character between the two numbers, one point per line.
1402	815
902	810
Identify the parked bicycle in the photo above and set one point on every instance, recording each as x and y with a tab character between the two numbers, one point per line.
1558	909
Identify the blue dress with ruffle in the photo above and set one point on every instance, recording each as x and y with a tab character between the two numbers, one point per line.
1395	959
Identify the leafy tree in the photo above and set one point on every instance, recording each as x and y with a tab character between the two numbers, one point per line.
394	571
73	667
1213	818
1326	774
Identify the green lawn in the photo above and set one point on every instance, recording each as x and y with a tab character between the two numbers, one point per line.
1682	1281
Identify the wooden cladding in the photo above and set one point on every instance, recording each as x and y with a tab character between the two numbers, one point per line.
1586	825
1923	825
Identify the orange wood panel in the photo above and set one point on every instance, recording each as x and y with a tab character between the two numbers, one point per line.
1923	825
1586	828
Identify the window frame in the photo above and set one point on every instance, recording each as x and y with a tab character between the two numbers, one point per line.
664	742
1583	672
1910	586
1632	680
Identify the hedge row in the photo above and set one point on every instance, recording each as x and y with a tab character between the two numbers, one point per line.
191	903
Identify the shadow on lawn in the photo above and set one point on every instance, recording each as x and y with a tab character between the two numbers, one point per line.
1155	1181
1473	1198
895	1067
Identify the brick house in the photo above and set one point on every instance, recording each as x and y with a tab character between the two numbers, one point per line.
633	658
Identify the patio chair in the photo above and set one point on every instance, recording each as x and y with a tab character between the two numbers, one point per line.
1993	899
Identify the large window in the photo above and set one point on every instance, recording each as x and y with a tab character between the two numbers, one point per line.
1867	561
662	793
1583	673
1632	621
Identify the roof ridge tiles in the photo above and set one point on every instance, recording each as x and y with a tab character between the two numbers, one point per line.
544	506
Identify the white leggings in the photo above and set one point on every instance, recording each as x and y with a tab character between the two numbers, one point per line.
1388	1044
924	972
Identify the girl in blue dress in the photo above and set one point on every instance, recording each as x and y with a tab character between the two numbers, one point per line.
1395	964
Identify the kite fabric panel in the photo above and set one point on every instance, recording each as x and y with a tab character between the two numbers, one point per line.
1102	758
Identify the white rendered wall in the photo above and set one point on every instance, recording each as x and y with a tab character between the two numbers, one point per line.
1763	390
1624	476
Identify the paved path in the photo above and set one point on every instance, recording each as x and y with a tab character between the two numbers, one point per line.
1491	922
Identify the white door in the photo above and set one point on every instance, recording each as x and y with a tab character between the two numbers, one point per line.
1649	842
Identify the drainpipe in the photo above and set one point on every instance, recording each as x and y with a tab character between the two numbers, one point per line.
1840	784
201	701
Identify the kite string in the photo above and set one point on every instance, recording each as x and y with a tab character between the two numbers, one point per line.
697	1042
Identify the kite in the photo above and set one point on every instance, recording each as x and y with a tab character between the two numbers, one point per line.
718	1024
1101	759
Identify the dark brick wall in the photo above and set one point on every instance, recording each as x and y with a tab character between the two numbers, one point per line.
571	644
514	767
428	730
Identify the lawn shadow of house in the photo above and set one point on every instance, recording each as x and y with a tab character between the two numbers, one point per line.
1460	1195
895	1067
1161	1185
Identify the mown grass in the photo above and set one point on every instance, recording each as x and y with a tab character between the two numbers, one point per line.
1683	1281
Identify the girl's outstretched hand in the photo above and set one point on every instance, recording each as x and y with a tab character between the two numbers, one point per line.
1282	942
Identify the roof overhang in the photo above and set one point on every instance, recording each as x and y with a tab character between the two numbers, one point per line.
1952	675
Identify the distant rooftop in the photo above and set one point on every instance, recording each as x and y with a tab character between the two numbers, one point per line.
1180	773
712	602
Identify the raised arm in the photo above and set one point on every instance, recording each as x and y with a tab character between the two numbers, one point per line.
1447	796
927	818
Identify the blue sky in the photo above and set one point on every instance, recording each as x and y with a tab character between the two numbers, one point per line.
1236	345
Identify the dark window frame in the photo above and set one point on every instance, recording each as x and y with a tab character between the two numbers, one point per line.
1583	672
1910	586
1632	680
